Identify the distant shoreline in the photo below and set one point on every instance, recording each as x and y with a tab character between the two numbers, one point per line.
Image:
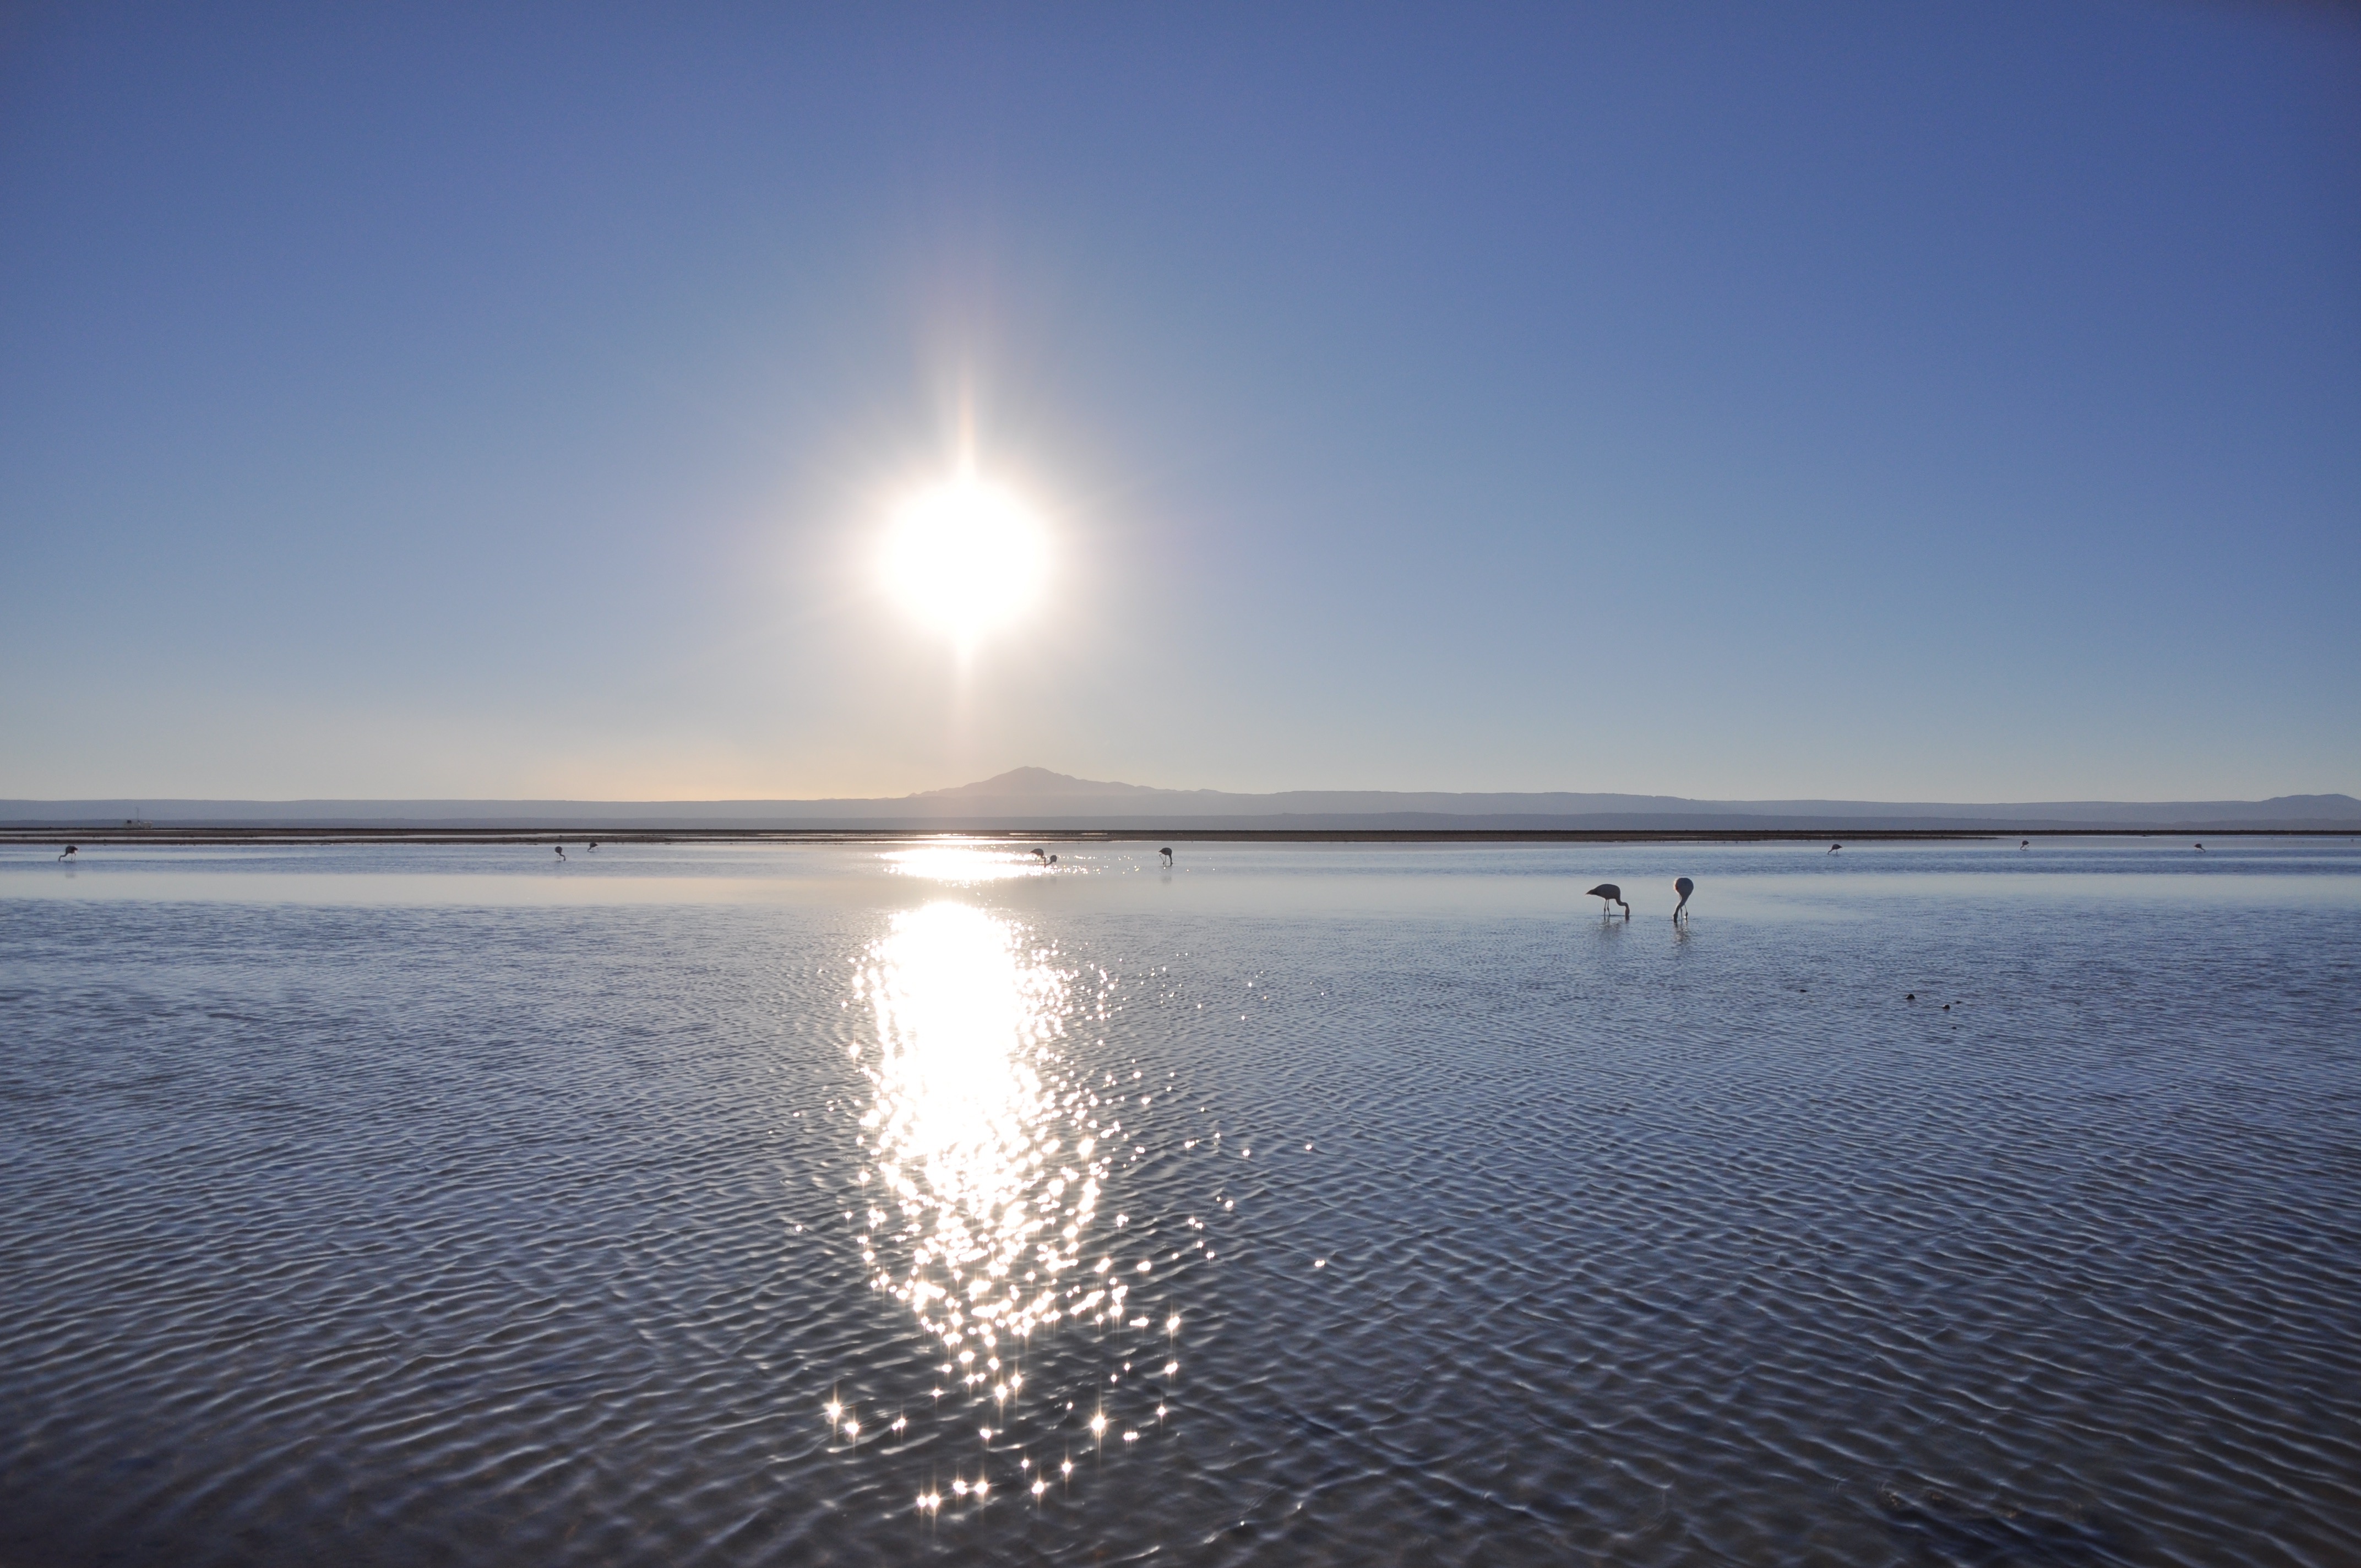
1032	801
293	836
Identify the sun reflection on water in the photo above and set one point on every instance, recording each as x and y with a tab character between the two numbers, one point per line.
988	1148
987	1170
962	865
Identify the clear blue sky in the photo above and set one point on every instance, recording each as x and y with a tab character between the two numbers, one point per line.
1921	402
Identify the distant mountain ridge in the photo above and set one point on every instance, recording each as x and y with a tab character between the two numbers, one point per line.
1033	799
1038	781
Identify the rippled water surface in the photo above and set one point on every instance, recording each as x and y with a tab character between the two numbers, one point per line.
687	1205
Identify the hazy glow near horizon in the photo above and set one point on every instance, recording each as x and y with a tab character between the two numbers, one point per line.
966	558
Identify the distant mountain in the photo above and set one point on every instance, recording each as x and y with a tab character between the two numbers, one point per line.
1041	783
1038	800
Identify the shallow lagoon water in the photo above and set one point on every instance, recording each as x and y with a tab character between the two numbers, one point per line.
737	1204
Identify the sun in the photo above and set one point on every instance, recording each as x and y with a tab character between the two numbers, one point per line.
965	558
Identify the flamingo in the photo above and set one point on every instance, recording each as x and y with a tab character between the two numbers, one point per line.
561	851
1040	854
1683	886
1608	893
1834	848
69	854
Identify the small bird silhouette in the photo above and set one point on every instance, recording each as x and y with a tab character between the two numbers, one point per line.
594	843
1608	893
1167	853
1834	848
1040	854
2025	843
561	851
2200	845
1683	886
69	854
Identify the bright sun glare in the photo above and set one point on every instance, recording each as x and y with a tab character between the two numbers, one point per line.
965	558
